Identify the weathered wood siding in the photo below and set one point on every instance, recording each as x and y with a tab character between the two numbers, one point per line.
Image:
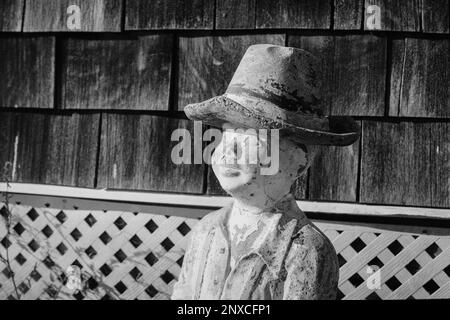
27	68
97	108
236	14
435	16
131	74
54	149
348	14
334	174
353	72
405	163
11	15
169	14
307	14
396	15
52	15
8	132
136	155
420	84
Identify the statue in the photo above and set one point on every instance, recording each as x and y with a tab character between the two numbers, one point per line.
263	246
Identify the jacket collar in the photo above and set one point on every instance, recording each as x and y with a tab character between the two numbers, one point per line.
286	220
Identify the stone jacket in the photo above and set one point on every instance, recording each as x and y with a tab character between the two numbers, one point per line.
293	261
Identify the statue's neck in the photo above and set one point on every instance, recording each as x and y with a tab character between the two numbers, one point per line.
246	217
248	208
257	206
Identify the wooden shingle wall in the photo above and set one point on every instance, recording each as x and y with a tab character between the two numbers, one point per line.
51	15
95	106
130	74
11	15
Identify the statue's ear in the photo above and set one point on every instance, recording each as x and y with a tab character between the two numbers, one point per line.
311	152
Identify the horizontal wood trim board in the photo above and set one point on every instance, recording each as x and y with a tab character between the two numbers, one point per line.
192	206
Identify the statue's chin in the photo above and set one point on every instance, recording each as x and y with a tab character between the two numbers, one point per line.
232	184
231	178
236	183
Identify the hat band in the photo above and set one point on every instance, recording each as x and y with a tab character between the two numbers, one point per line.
298	105
267	109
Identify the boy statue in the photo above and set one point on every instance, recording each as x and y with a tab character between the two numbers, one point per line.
263	246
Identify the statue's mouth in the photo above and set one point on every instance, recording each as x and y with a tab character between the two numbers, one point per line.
228	171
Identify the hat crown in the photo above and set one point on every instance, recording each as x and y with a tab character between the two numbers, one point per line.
277	87
287	77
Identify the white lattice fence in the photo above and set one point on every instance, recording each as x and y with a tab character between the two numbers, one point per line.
138	256
413	263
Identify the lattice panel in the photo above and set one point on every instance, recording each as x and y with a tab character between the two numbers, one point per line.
413	263
138	256
124	255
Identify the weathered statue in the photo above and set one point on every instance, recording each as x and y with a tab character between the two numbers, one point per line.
263	246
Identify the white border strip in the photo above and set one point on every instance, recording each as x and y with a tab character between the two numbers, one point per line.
193	206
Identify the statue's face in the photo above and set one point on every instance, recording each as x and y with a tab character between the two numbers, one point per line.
244	178
232	173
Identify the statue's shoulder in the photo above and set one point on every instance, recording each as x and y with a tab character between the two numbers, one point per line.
314	262
211	220
309	237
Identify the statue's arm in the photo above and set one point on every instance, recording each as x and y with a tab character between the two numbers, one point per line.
312	271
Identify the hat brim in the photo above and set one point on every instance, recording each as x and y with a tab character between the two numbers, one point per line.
217	111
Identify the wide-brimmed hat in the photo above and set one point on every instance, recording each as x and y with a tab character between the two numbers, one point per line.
277	87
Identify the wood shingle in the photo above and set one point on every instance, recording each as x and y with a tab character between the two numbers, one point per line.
435	16
405	163
213	185
420	78
351	65
235	14
57	149
395	163
307	14
8	133
27	68
359	75
61	15
136	155
11	15
348	14
169	14
333	175
440	164
395	15
132	74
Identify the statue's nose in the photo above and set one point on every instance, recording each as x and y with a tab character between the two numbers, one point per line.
233	151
